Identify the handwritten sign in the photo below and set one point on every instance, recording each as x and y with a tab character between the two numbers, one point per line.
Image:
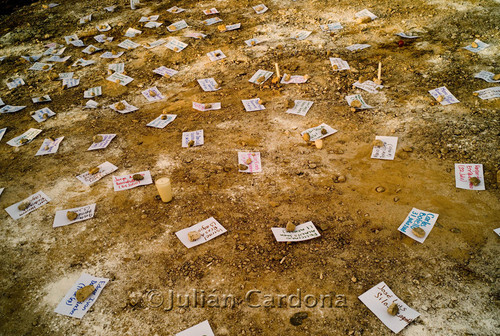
128	44
110	54
14	83
155	44
83	213
161	123
261	76
152	94
301	107
208	84
294	79
127	107
418	219
93	92
212	21
24	138
82	62
463	174
387	151
250	160
253	105
177	26
49	146
301	35
35	201
338	64
42	99
106	139
128	182
196	136
208	229
132	32
317	132
104	169
201	329
369	86
70	82
480	46
11	109
103	27
331	27
487	76
176	45
302	232
164	71
359	98
216	55
356	47
39	66
206	107
120	79
489	93
210	11
379	298
91	49
70	306
447	96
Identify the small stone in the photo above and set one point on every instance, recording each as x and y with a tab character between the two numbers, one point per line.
318	143
418	232
324	131
393	309
274	204
23	141
248	161
306	136
71	215
297	318
378	143
356	103
163	117
222	28
361	79
364	19
193	236
97	138
287	77
396	199
377	81
353	279
23	205
83	293
191	143
120	106
137	177
380	189
152	93
474	45
261	79
440	98
341	179
475	181
496	77
242	167
408	149
290	227
94	170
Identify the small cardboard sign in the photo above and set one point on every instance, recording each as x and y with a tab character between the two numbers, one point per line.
447	97
356	47
128	108
49	146
489	93
301	107
92	92
127	182
208	229
463	174
250	160
418	219
83	213
120	79
164	71
104	169
152	94
369	86
302	232
260	77
253	105
35	201
216	55
106	139
161	123
388	150
338	64
176	45
196	136
358	97
319	132
29	135
208	84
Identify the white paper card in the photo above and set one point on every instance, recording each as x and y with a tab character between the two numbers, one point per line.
101	38
301	35
250	160
49	146
29	135
177	26
216	55
11	109
448	97
14	83
301	107
379	298
421	219
70	306
84	213
106	139
355	47
42	99
252	105
212	21
464	172
43	114
480	46
39	66
388	150
338	64
35	201
201	329
252	42
261	76
131	32
71	82
117	67
359	98
128	182
487	76
82	62
91	49
120	79
2	132
128	108
403	35
176	45
196	136
369	86
109	54
164	71
489	93
208	229
175	10
331	27
104	169
317	132
260	9
365	12
103	27
302	232
155	44
152	94
92	92
210	11
206	107
208	84
128	44
161	123
295	79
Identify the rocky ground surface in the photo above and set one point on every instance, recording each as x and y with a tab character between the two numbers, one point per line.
451	279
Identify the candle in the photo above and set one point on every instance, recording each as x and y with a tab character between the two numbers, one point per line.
277	70
164	189
379	75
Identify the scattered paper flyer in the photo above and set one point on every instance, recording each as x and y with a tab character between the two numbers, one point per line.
123	107
301	107
14	83
338	64
2	132
216	55
201	329
447	97
24	138
86	19
104	169
153	24
210	11
208	84
212	21
128	44
295	79
403	35
260	77
11	109
208	229
131	32
497	231
128	182
175	10
176	45
379	298
91	104
49	146
249	162
357	97
117	67
302	232
192	139
477	46
34	202
83	213
368	86
489	93
331	27
70	82
83	62
41	99
65	75
155	44
103	27
70	38
177	26
70	306
465	172
91	49
92	92
388	150
252	42
301	35
106	139
42	114
365	12
195	35
120	79
233	27
260	9
487	76
149	18
319	132
418	219
110	54
101	38
253	105
160	122
206	107
355	47
164	71
152	94
58	59
39	66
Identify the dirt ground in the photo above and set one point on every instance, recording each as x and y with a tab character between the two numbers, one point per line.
451	279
